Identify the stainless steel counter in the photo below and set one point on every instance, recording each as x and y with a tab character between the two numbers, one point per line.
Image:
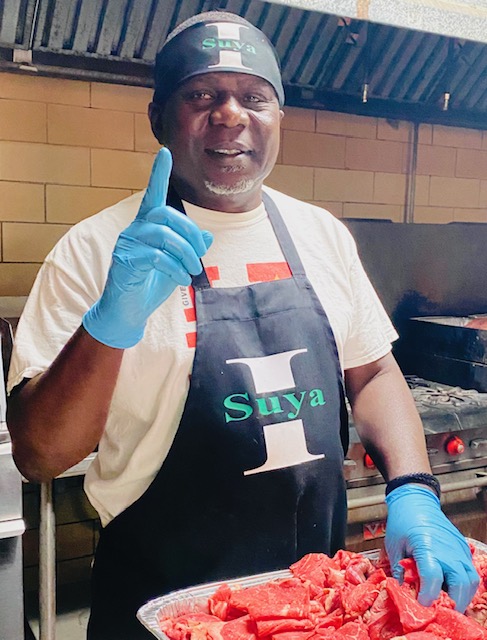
11	523
11	529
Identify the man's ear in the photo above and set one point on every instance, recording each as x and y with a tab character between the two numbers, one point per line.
155	116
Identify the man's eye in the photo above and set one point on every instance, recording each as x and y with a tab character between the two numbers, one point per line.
200	95
254	98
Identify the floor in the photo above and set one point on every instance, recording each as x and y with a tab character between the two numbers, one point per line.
72	613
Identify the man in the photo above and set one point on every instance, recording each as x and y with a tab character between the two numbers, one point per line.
218	409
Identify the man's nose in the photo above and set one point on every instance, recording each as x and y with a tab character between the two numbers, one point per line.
229	112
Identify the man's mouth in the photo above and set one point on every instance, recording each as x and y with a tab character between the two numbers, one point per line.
226	153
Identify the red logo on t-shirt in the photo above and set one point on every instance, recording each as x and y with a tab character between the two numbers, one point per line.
267	271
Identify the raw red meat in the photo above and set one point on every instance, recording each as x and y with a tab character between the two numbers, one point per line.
410	575
477	323
352	630
333	620
287	598
436	629
478	607
358	599
271	626
319	570
192	626
358	570
243	628
413	616
330	599
382	619
341	598
458	625
292	635
219	604
419	635
385	628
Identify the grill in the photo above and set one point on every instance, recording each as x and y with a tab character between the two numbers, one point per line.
455	427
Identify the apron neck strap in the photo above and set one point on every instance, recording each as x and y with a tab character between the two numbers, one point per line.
282	234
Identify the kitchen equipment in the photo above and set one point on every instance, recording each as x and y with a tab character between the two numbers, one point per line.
449	349
455	427
426	275
11	523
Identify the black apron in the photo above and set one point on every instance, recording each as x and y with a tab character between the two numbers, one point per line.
253	479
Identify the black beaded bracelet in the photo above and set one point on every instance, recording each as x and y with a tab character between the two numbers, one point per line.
418	478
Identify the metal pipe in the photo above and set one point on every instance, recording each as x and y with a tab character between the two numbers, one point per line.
47	552
376	500
411	175
33	26
11	528
47	565
50	71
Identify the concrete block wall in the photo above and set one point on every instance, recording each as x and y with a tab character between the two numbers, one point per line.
67	149
357	166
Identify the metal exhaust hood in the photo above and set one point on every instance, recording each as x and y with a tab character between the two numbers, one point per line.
463	19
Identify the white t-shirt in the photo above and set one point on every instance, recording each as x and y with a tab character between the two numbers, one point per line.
154	378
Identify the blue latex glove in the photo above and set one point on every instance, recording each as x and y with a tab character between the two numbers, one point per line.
418	528
160	250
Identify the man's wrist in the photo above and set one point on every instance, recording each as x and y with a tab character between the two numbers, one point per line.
106	333
426	479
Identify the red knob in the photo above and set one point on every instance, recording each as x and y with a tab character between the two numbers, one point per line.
455	446
368	462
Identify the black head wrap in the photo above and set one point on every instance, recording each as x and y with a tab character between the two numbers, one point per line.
212	42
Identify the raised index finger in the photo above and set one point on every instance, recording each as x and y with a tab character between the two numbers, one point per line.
156	192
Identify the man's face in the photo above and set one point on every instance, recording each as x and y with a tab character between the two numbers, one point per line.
223	132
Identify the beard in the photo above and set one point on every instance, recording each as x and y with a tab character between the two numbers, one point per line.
241	186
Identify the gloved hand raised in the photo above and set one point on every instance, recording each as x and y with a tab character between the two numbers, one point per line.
418	528
158	251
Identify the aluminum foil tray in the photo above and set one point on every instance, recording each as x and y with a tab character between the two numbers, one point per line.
195	599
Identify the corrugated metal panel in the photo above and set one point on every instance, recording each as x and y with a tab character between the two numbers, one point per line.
326	59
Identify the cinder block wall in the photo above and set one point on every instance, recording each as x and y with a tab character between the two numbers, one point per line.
69	148
357	167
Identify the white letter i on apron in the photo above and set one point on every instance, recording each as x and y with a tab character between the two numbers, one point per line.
285	441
